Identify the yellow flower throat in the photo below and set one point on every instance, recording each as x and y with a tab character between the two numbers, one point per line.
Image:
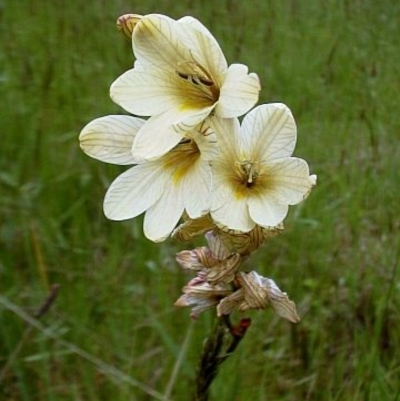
248	176
180	159
248	172
196	75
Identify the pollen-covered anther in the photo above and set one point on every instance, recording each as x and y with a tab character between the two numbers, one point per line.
191	70
196	79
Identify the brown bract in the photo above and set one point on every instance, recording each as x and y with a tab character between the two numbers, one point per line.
257	292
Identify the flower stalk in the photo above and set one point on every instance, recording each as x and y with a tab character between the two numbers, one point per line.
220	284
218	347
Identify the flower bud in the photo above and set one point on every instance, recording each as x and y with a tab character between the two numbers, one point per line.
126	23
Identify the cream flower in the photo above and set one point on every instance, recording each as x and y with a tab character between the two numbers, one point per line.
255	177
180	77
165	188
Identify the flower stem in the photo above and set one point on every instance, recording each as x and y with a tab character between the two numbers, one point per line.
221	343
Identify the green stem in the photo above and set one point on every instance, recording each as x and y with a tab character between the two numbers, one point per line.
221	343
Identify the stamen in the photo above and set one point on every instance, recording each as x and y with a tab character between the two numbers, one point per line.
194	68
249	168
205	129
195	79
197	75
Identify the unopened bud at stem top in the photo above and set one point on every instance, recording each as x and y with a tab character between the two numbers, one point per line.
126	23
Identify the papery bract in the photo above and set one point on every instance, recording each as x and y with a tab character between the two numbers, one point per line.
257	292
200	295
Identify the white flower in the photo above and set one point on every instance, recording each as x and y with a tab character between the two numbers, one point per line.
180	77
176	182
255	177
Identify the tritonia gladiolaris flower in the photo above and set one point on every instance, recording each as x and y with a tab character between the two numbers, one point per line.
255	176
180	77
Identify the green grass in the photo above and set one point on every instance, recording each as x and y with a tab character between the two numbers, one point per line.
336	64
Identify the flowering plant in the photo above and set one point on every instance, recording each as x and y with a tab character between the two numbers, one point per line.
196	168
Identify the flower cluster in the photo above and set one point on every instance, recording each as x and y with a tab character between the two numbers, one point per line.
193	159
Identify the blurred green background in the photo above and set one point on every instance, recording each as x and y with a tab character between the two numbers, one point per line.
113	333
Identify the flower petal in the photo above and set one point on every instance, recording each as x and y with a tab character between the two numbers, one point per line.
147	92
195	23
267	210
161	219
227	131
239	92
134	191
156	137
160	41
195	189
194	117
206	52
291	180
206	140
110	138
229	211
270	130
227	208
